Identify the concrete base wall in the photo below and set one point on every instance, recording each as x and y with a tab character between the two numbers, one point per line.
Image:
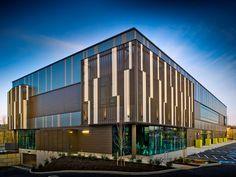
9	159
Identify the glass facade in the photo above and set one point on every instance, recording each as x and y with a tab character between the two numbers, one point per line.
153	140
58	120
208	114
126	140
68	70
26	139
63	73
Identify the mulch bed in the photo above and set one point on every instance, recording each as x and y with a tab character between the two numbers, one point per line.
76	163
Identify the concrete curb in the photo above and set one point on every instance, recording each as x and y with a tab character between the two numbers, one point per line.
113	172
107	172
210	165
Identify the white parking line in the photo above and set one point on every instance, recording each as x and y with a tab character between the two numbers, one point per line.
232	158
214	157
198	156
206	156
224	158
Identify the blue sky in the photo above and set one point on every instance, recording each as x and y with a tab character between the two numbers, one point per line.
199	35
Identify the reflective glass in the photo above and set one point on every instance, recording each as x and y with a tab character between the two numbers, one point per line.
58	75
65	120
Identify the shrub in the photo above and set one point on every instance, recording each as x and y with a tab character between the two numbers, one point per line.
114	157
169	164
40	166
158	161
104	157
187	161
132	159
80	156
139	160
52	158
46	161
151	162
33	168
92	157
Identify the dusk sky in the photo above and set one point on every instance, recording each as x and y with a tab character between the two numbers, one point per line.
199	35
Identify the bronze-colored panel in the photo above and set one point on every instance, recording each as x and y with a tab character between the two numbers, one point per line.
101	135
54	102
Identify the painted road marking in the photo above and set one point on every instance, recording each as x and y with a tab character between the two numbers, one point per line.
232	158
224	158
214	157
206	156
198	156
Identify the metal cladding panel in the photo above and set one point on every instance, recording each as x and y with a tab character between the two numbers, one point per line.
17	107
67	99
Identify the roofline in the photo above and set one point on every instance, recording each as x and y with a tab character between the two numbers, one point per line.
178	65
130	29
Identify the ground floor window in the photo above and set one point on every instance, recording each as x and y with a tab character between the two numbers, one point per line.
125	138
153	140
26	139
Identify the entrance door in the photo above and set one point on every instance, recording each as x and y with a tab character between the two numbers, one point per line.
72	141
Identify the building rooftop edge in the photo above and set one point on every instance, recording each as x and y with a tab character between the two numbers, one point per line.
103	41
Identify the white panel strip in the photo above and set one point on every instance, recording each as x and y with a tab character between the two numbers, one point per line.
20	100
189	110
182	109
98	65
118	108
192	95
144	98
171	76
126	96
24	116
151	75
95	101
130	55
14	115
88	112
165	82
149	108
141	57
160	103
172	106
27	92
114	71
86	80
176	88
185	91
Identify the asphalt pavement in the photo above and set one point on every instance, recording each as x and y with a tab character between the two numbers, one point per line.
224	155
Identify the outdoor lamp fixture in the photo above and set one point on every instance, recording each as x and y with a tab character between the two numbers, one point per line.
85	131
70	131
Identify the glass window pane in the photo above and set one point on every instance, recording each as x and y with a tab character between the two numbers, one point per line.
58	75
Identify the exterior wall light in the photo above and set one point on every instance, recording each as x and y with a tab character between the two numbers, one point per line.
85	131
70	131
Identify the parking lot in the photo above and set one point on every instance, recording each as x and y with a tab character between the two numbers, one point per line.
223	155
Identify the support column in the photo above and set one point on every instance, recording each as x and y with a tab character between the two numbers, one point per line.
133	140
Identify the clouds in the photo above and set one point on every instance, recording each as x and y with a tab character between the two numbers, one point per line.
199	35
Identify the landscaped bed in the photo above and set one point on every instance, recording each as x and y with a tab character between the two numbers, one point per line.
78	163
192	162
